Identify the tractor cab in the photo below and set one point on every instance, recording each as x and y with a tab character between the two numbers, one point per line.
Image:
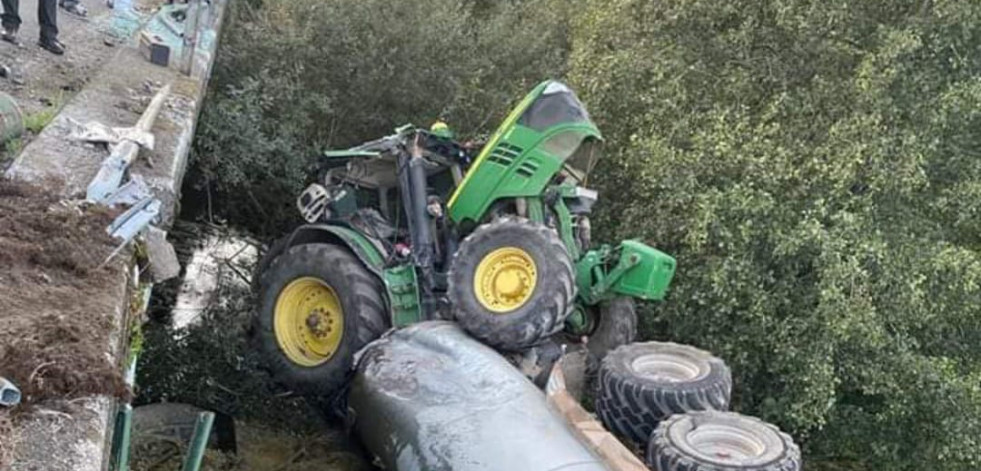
547	138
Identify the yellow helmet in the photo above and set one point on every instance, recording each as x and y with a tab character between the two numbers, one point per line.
441	129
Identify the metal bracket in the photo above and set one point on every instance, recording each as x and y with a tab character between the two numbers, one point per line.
403	295
134	191
135	219
599	289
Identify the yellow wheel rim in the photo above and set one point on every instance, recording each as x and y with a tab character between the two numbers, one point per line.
505	279
309	321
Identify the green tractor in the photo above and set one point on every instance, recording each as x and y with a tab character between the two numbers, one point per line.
417	226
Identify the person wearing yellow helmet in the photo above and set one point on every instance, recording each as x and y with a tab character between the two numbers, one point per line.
441	129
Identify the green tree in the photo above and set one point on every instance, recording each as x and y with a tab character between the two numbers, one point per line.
814	167
295	77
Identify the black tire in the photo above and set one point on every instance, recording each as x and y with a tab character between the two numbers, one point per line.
642	384
360	296
616	325
547	307
676	446
275	249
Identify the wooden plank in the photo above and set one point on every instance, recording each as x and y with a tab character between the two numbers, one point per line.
617	456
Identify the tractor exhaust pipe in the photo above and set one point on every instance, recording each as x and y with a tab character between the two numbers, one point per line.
422	236
412	180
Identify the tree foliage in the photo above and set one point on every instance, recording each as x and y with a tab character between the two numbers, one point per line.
298	76
815	167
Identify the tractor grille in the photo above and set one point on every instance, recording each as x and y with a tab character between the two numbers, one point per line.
504	154
527	169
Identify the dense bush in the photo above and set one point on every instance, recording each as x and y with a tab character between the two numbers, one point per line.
298	76
815	167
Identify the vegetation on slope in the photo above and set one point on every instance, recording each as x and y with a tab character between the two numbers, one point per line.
815	168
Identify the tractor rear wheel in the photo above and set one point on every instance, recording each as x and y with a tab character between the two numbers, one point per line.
511	283
721	441
318	305
644	383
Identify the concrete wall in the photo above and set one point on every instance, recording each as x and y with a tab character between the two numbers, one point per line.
77	436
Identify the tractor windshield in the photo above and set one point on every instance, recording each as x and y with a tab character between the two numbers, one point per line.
556	105
576	146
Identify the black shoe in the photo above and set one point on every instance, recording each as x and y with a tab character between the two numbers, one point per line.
10	35
52	45
75	9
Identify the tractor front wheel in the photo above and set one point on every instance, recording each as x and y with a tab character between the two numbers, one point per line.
318	305
511	283
616	325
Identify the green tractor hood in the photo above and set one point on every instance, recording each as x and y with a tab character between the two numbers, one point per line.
548	133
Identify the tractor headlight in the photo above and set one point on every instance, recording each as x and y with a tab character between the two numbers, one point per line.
581	201
313	202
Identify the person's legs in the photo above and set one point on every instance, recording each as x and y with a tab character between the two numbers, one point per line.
47	17
11	17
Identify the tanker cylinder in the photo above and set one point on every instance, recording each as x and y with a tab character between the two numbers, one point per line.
430	397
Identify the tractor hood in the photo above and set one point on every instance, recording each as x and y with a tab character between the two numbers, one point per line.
563	123
549	133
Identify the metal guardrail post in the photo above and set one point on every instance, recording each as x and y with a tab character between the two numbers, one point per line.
121	440
191	25
199	441
113	168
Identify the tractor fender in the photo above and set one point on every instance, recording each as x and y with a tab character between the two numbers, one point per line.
370	254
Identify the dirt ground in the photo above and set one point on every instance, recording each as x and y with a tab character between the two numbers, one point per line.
42	82
54	308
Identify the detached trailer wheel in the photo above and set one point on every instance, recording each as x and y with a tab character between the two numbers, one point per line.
642	384
511	283
318	305
721	441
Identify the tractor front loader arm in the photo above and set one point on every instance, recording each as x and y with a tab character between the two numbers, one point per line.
631	269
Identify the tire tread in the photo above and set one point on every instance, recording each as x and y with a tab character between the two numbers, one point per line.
632	406
368	323
664	455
